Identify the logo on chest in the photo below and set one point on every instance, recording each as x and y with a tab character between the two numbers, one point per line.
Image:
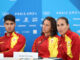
14	39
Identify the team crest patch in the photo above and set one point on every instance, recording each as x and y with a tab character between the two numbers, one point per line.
52	40
14	39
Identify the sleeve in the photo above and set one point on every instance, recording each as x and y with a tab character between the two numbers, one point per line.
79	44
35	45
76	46
18	47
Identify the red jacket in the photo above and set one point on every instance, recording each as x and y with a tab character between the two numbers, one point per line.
41	45
13	42
70	46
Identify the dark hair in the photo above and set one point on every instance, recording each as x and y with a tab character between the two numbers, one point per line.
64	18
9	17
53	26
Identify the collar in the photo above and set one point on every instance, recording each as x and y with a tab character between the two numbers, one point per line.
9	34
44	36
68	32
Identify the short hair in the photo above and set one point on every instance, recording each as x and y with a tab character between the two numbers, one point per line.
9	17
65	19
53	25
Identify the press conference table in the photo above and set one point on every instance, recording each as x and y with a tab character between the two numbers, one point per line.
26	56
30	59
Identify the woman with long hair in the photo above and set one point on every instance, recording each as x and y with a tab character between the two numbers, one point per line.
70	41
47	44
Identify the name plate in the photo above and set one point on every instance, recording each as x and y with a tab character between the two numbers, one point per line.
25	55
1	56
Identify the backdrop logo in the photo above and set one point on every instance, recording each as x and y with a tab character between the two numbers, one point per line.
34	31
26	19
18	20
76	18
5	13
40	25
21	26
32	25
76	24
1	25
78	31
25	31
25	13
34	19
12	0
46	13
68	12
42	19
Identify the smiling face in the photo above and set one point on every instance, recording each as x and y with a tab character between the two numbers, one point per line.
62	26
46	28
9	26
